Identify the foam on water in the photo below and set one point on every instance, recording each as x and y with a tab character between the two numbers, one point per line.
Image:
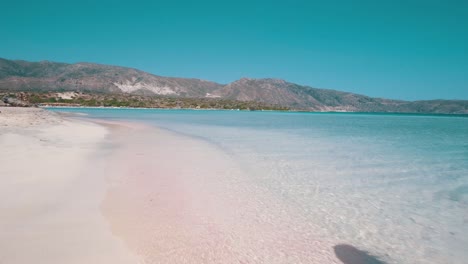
393	185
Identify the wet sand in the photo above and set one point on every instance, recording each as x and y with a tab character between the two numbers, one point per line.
174	199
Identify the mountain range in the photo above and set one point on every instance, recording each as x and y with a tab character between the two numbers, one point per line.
18	75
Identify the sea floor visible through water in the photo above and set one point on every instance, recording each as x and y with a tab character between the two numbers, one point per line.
275	187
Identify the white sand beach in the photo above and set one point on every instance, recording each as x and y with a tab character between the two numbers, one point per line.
51	191
78	192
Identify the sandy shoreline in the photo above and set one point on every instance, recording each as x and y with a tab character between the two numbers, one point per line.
50	193
180	200
132	193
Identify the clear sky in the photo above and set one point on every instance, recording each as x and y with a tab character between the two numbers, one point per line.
397	49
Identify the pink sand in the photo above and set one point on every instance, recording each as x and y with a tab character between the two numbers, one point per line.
173	199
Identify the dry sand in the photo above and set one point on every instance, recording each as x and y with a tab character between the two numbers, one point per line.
51	189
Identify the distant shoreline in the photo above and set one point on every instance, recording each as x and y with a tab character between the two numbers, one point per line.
331	104
259	110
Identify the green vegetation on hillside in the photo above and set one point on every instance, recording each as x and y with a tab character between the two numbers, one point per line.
128	100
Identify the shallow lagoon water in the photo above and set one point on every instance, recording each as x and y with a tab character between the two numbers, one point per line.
395	186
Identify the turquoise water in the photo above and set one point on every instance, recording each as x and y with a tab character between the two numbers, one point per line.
393	185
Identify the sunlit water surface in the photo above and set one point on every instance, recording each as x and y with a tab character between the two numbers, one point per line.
393	185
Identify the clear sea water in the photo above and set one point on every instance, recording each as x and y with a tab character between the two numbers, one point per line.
393	185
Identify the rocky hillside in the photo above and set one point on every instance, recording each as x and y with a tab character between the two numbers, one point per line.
280	92
50	76
96	78
300	97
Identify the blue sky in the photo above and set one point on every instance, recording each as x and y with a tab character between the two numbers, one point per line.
395	49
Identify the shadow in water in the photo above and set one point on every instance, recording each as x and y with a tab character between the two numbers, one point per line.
351	255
